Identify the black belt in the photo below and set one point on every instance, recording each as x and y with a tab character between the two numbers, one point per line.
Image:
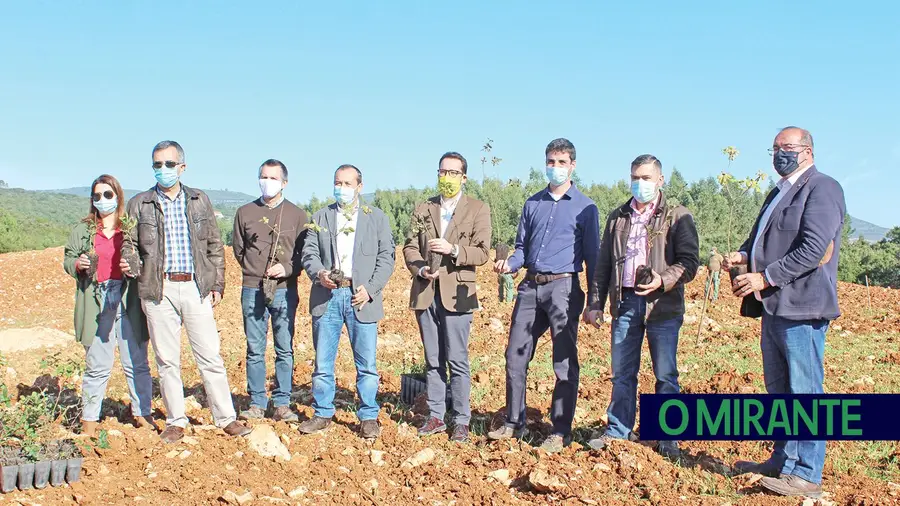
543	279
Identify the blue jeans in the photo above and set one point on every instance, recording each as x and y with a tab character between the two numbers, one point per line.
282	311
793	354
627	338
326	336
113	329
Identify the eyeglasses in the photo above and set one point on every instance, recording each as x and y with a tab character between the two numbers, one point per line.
787	147
451	173
169	164
108	195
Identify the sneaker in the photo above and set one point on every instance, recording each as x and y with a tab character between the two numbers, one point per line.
369	429
669	450
284	414
254	413
460	434
314	425
555	443
600	442
432	426
506	432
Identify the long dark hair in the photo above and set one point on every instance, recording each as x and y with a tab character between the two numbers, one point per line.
93	216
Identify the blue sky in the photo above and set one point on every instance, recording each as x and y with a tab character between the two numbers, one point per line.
90	87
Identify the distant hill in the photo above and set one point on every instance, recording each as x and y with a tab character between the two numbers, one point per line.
868	231
216	196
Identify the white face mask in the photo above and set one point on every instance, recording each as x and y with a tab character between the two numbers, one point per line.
270	187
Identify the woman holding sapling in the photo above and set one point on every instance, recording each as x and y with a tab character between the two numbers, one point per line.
107	309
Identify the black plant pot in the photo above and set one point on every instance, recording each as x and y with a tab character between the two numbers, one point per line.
73	469
26	476
41	473
411	385
9	475
58	472
736	271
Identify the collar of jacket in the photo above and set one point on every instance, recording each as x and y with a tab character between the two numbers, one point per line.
150	195
661	208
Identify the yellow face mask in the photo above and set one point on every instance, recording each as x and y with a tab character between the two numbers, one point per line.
449	186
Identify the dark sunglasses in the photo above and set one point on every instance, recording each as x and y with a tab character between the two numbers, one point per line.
169	164
108	195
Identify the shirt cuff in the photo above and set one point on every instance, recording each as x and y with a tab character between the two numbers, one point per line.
421	270
746	257
768	278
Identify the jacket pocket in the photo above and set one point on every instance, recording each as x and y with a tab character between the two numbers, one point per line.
465	275
790	218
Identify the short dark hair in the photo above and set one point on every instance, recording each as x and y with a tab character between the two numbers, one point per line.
453	155
645	159
348	166
805	136
561	146
271	162
169	144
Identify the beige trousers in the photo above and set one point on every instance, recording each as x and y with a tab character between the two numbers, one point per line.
181	303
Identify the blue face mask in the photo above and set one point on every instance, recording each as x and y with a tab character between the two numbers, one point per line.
643	191
106	206
785	162
344	195
557	175
166	177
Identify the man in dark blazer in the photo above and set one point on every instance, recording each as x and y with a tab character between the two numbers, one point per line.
792	258
349	256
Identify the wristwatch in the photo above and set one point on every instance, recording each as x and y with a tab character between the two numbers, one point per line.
765	278
454	252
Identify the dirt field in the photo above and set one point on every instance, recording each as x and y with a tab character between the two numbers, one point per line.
863	355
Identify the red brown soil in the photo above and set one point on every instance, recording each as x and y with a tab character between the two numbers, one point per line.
334	468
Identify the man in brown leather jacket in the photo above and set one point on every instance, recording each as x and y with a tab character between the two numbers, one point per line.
450	236
649	250
181	277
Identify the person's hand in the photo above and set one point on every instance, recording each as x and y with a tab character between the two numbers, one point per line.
325	281
732	259
425	272
82	263
440	246
216	298
650	287
276	271
594	317
361	296
745	284
501	266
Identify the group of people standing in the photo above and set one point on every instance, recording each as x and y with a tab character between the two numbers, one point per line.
636	265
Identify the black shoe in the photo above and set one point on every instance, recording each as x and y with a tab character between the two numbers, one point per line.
767	468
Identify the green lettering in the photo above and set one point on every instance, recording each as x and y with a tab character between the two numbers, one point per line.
846	418
662	417
830	404
704	418
737	418
779	418
752	418
811	423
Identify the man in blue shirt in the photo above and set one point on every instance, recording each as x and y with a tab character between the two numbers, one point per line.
558	232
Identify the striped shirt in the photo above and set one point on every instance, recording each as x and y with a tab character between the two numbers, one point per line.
178	237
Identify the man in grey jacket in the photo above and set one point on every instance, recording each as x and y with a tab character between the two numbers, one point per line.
349	256
792	254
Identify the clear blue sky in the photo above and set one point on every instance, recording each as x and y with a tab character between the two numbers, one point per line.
90	87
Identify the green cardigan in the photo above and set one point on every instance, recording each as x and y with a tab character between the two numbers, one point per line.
87	302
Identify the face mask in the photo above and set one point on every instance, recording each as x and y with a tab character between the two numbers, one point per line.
344	195
269	187
557	175
449	186
643	191
106	206
166	177
785	162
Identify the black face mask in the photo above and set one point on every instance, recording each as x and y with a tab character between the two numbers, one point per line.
785	162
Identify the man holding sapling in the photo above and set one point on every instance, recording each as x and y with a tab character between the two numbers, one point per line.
181	277
455	230
268	241
649	251
349	255
558	237
792	253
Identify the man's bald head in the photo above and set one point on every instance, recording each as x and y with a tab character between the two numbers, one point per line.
795	135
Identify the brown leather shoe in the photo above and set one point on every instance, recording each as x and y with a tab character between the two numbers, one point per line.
89	428
284	414
236	428
314	425
172	434
432	426
790	485
369	429
145	422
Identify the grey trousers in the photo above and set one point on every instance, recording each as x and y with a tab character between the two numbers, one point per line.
445	337
557	306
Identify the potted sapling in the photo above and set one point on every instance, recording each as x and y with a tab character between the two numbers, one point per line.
336	274
643	274
9	468
734	190
269	284
129	253
419	224
58	464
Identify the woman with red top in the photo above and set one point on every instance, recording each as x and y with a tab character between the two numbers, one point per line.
107	309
